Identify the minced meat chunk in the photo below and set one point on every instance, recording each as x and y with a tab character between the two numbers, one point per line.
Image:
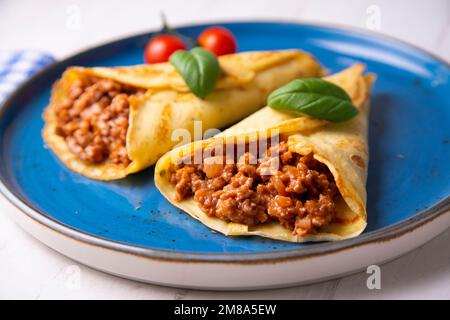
300	192
93	119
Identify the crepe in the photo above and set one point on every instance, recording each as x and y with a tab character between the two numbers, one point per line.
342	147
247	79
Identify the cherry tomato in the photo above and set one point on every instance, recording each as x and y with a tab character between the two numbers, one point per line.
161	47
218	40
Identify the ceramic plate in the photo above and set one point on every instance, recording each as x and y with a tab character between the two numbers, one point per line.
127	228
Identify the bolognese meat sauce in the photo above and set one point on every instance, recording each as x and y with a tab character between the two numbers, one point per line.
300	193
93	119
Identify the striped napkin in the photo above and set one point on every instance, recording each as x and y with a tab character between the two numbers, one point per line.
17	66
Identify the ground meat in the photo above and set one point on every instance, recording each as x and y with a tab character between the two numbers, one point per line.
297	191
93	119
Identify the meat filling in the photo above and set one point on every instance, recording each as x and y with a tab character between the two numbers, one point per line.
93	120
300	193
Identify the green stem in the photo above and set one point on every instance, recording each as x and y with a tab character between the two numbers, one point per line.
168	30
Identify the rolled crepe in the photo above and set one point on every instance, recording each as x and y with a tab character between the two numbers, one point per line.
247	79
342	147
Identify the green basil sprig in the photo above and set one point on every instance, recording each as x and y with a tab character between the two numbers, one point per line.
314	97
199	68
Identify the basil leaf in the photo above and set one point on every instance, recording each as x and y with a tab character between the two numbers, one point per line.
199	68
314	97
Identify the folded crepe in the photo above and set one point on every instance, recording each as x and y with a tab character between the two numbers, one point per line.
106	123
315	192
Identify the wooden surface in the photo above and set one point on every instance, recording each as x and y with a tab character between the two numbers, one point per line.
28	269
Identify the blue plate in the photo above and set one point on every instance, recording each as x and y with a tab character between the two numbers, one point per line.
409	149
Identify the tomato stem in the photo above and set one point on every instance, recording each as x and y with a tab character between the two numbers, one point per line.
166	29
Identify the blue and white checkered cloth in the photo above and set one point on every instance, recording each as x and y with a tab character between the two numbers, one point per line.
17	66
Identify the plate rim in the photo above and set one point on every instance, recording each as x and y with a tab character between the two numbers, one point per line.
383	234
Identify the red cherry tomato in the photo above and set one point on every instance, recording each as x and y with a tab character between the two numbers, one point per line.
161	47
218	40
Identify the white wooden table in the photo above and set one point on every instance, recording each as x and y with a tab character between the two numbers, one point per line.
28	269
